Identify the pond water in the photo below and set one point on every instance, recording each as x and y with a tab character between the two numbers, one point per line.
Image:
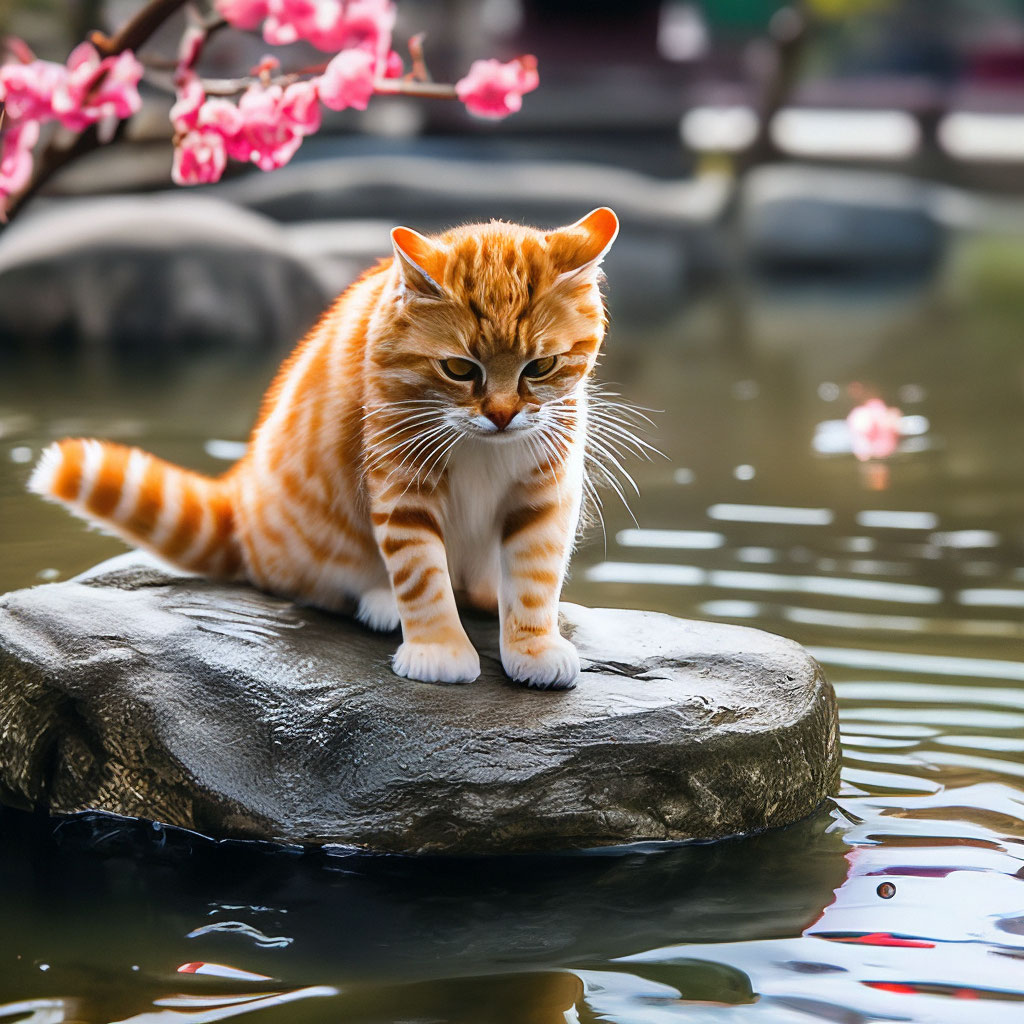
902	900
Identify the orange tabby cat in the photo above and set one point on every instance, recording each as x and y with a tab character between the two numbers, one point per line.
427	437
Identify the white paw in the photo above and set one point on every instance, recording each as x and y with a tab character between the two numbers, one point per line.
378	609
544	662
437	663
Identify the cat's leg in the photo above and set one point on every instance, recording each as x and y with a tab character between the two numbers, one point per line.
537	536
434	646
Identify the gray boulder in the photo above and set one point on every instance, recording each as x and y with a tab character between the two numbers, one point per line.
224	710
153	275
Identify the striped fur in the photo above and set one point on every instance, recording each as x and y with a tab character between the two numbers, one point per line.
426	439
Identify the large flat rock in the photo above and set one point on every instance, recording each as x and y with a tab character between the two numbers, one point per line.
225	710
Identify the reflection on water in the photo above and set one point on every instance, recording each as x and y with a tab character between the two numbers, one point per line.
904	901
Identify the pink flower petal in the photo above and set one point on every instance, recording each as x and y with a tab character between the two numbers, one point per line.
16	156
243	14
348	80
300	107
199	158
27	89
495	90
874	430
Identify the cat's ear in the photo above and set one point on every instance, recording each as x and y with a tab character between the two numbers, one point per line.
581	246
421	261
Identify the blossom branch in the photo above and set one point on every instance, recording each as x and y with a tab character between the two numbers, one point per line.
137	29
97	89
227	87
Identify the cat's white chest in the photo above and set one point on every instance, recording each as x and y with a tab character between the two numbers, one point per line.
481	476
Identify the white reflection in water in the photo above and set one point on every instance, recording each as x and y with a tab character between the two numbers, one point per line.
642	572
927	664
961	717
992	598
867	590
771	514
229	451
871	778
989	765
742	579
893	520
830	619
858	545
875	742
1005	743
854	620
966	539
757	556
697	540
732	609
933	693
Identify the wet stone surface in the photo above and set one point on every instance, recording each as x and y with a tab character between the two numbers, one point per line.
221	709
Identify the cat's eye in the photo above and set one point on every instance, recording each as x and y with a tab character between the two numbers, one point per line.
459	369
540	367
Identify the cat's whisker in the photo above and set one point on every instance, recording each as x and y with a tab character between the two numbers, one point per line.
424	403
612	483
611	427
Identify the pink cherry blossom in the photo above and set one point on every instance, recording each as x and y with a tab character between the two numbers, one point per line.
192	41
190	97
492	89
367	25
265	137
300	107
317	21
16	158
220	116
199	158
348	80
874	430
394	66
27	89
243	14
96	89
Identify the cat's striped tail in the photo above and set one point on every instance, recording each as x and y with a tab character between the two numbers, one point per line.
181	516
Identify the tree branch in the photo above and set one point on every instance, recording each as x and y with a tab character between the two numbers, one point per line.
130	36
134	32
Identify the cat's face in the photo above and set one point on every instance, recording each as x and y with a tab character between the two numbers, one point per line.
493	328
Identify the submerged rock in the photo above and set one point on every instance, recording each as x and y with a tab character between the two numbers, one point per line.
225	710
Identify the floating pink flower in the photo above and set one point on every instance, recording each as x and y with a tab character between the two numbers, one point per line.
874	430
27	89
495	90
96	89
243	14
16	158
348	80
199	158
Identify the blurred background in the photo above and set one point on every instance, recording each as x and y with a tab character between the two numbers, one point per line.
822	204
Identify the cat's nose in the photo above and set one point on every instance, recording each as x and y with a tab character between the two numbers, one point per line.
501	418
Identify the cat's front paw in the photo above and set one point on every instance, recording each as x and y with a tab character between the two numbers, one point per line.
437	663
545	662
